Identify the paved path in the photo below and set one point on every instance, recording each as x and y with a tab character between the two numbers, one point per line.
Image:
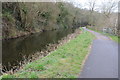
103	59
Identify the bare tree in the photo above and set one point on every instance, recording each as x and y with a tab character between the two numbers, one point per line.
108	7
110	17
91	4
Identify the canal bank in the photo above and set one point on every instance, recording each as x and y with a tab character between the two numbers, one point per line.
65	61
25	48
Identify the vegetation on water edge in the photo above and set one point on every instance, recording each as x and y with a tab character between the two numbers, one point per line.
23	18
65	62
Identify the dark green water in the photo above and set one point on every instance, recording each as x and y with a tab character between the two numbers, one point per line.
13	50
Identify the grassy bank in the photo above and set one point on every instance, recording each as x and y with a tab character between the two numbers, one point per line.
113	37
65	62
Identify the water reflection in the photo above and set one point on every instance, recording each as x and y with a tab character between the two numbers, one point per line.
13	50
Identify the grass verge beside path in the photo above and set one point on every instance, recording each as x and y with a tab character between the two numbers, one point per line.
113	37
65	62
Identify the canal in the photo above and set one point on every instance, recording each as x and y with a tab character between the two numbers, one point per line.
13	50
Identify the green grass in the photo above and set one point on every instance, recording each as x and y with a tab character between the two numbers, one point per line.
65	62
113	37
